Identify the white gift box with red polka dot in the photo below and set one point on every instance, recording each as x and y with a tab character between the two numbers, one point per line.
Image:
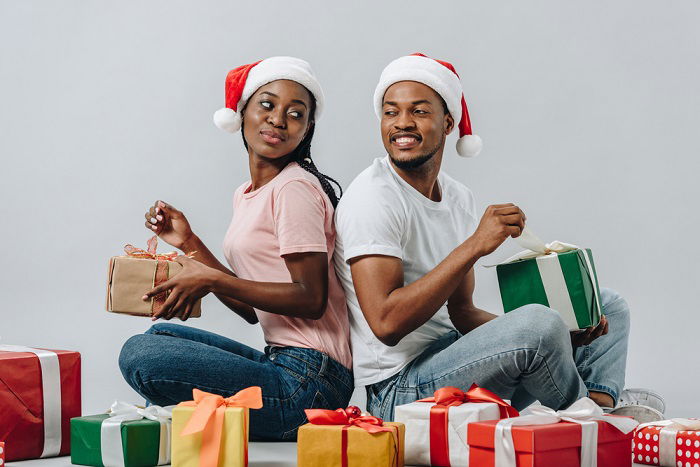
2	453
648	443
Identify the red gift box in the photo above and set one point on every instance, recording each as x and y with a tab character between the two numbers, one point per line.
666	443
22	402
557	444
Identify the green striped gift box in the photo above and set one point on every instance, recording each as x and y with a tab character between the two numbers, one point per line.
565	282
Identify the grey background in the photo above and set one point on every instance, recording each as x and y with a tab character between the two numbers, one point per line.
588	113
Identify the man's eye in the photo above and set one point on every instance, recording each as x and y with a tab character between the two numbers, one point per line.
266	104
390	113
421	111
296	114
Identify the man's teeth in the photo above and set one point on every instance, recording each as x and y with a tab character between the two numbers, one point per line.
405	139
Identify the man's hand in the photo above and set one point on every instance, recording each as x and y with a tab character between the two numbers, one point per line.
585	337
499	222
189	285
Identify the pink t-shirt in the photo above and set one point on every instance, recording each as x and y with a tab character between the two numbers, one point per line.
289	214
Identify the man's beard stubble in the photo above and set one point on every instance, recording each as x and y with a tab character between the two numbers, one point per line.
417	162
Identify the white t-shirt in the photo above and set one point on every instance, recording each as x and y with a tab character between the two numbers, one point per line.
380	213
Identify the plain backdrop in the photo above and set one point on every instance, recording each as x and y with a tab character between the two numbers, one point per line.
588	111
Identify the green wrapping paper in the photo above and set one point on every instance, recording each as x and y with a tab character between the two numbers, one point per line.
140	440
557	275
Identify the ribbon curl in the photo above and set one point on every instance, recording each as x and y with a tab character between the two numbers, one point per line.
584	411
208	419
350	417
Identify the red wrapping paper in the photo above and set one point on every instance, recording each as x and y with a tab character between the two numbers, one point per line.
645	446
557	444
21	402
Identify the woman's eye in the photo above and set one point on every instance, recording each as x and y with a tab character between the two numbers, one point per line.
266	104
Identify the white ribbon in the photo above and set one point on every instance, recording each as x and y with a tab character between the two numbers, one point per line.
667	436
584	411
51	393
550	271
111	432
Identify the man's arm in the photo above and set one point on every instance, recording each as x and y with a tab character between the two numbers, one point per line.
463	313
393	309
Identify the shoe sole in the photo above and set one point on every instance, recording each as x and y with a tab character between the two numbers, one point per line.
641	413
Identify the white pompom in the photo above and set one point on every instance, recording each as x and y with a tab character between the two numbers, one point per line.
227	119
469	145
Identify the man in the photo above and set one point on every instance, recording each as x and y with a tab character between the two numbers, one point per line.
408	237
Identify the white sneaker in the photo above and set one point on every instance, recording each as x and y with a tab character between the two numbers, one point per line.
644	405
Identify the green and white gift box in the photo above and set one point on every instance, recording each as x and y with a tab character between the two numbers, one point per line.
559	275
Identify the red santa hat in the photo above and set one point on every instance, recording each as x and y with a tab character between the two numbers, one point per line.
242	82
443	79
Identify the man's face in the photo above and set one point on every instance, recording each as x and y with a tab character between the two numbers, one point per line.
414	124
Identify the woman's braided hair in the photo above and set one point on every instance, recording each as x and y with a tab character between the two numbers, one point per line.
302	156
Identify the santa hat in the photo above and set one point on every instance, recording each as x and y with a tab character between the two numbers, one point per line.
443	79
242	82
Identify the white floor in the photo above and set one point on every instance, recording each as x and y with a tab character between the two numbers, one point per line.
260	455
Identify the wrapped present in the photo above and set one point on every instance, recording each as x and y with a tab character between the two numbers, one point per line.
347	438
667	443
132	275
436	427
39	394
558	275
127	436
212	431
581	435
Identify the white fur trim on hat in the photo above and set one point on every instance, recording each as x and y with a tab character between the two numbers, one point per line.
291	68
426	71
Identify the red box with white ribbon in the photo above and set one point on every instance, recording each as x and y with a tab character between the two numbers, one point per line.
668	443
39	394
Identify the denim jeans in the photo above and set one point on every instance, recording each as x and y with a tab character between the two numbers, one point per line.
169	360
524	355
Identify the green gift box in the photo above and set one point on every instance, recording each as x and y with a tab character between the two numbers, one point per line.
560	276
130	443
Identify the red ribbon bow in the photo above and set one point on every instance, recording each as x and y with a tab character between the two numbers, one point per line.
208	419
447	397
350	417
150	252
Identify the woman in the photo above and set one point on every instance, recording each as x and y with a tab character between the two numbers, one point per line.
279	247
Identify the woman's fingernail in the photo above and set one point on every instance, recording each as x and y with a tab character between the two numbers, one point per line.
159	217
154	227
157	210
144	297
153	220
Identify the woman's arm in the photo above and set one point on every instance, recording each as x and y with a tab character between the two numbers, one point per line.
171	225
304	297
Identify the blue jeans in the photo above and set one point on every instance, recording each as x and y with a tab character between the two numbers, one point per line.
169	360
524	355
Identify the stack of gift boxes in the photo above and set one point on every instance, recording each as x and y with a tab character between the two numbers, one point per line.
40	402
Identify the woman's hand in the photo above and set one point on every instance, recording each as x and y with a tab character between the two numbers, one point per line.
185	288
169	224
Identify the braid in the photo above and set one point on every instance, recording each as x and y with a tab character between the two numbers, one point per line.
302	156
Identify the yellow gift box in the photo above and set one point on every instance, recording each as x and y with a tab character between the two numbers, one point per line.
212	431
323	445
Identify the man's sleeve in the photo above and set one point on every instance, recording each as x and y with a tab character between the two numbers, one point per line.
370	222
300	216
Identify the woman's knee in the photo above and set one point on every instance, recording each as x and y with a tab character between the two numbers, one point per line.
135	353
168	329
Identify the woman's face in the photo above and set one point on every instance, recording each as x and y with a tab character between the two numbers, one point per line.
276	118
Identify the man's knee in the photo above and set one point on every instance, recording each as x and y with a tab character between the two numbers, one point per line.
615	307
541	320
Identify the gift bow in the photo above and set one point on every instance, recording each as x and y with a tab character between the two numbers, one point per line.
348	418
150	252
667	436
111	445
208	419
447	397
584	411
534	247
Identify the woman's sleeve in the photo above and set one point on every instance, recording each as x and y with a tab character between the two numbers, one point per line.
300	218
